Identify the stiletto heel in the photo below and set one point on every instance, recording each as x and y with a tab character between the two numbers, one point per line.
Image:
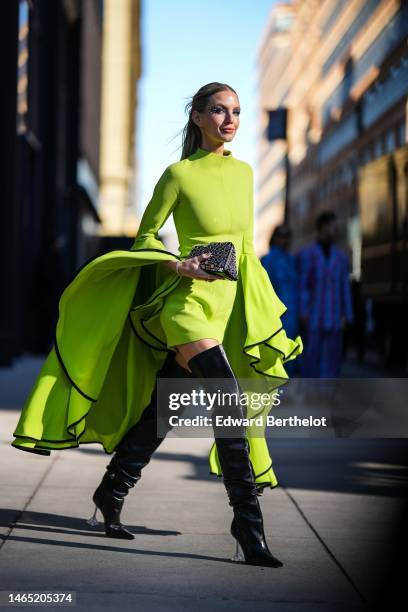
239	555
93	521
110	507
247	529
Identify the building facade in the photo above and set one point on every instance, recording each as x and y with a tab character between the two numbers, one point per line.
51	112
340	69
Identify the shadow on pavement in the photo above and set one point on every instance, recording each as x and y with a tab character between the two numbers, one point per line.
46	522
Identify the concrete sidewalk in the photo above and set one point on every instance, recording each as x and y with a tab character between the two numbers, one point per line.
330	521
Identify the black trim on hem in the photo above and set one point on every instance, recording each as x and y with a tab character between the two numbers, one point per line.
88	397
257	360
151	299
264	472
33	450
133	328
42	439
165	291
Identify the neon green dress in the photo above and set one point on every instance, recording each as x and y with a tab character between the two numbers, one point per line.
123	311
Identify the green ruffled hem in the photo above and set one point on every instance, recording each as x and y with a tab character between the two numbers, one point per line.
62	409
266	343
39	429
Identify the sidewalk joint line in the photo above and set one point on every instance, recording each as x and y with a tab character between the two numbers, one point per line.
323	543
13	524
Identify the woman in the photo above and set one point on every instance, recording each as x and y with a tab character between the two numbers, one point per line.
119	317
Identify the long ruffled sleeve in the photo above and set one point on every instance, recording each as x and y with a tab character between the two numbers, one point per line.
263	309
161	205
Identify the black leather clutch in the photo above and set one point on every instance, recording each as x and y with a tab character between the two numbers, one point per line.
222	262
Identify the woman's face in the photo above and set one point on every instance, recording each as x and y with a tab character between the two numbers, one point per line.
220	119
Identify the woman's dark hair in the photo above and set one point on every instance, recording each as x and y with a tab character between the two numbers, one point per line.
191	138
325	217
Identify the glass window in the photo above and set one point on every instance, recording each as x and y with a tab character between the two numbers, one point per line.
367	156
390	141
378	147
401	134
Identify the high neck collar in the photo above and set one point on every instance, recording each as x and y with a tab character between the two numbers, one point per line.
227	154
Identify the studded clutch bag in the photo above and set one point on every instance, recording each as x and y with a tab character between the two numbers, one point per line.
222	262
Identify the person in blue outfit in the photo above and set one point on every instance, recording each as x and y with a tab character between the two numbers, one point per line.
280	265
325	303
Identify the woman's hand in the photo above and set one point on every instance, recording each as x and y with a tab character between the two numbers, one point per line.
191	268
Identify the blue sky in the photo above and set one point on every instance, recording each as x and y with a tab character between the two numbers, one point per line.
185	45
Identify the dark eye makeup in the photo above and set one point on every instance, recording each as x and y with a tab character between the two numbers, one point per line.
216	109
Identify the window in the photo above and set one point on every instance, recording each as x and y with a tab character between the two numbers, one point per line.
401	134
390	141
378	147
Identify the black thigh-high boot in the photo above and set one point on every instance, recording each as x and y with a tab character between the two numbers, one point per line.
238	475
131	455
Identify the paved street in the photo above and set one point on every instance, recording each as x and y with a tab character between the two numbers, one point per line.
331	521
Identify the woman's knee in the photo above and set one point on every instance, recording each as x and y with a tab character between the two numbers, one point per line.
187	351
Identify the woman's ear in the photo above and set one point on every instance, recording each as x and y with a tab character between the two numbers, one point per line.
195	117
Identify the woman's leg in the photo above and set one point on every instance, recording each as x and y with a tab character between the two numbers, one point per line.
131	455
211	365
190	349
